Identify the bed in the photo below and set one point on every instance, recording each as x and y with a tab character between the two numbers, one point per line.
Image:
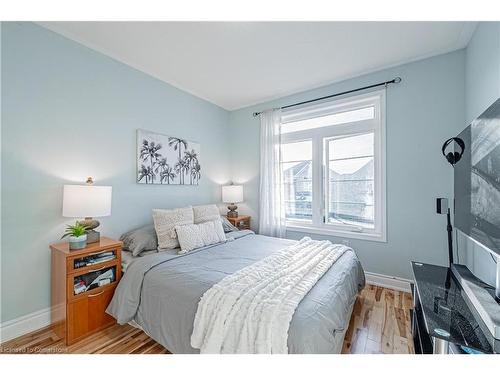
160	293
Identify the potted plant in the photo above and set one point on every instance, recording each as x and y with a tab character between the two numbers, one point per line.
77	236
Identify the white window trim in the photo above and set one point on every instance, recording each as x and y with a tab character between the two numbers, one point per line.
378	126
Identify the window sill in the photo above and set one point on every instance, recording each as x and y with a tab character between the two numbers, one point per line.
367	236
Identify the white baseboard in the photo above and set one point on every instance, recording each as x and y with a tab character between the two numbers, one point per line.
25	324
391	282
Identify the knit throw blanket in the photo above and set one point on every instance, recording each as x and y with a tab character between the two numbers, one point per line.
250	311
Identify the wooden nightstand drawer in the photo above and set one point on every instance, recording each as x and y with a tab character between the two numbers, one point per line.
87	315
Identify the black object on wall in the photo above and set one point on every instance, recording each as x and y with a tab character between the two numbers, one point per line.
477	217
455	156
395	80
442	206
477	181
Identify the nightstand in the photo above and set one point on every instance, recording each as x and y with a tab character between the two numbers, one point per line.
83	283
240	222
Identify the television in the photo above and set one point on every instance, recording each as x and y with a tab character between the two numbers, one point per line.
477	210
477	181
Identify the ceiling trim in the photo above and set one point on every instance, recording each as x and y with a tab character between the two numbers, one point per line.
467	33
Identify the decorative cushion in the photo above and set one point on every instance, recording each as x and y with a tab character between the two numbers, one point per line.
165	222
194	236
208	212
228	227
141	239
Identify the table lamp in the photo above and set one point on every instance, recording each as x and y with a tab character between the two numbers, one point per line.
87	201
232	194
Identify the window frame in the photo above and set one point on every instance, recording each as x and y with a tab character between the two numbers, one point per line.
377	125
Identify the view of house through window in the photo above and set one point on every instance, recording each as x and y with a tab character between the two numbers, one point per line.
350	179
332	171
297	179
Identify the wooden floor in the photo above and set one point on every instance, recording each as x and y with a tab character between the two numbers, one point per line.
380	323
113	340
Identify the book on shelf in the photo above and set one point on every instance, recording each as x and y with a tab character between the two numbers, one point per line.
95	259
100	260
80	287
105	254
108	275
93	280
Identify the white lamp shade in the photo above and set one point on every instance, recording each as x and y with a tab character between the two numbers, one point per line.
86	201
232	194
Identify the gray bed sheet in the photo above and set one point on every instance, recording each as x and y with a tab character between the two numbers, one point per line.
128	258
161	292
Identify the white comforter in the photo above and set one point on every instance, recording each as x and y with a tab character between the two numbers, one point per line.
250	311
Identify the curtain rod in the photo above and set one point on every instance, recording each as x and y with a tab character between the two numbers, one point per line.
395	80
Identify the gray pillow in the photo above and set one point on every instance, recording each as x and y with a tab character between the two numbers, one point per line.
227	226
141	239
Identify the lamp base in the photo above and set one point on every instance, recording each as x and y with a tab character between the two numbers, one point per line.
232	210
93	236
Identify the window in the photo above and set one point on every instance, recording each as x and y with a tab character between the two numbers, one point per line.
332	159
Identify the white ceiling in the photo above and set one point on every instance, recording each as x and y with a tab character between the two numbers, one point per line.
237	64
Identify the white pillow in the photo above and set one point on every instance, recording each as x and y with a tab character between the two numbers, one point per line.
194	236
165	222
208	212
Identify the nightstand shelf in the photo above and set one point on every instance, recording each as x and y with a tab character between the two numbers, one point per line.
76	315
240	222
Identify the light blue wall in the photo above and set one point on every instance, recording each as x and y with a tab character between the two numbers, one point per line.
482	88
67	113
426	108
482	69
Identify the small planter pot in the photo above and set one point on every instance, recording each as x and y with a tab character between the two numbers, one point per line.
76	243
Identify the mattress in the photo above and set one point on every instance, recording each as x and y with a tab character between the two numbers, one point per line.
161	293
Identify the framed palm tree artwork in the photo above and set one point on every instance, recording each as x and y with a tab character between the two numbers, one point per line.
166	160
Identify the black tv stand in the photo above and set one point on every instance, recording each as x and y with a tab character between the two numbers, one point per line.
442	319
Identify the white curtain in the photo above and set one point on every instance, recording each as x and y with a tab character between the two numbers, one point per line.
272	209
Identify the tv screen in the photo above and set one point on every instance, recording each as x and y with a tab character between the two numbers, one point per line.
477	180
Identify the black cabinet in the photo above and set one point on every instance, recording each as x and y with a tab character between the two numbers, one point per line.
421	339
442	321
